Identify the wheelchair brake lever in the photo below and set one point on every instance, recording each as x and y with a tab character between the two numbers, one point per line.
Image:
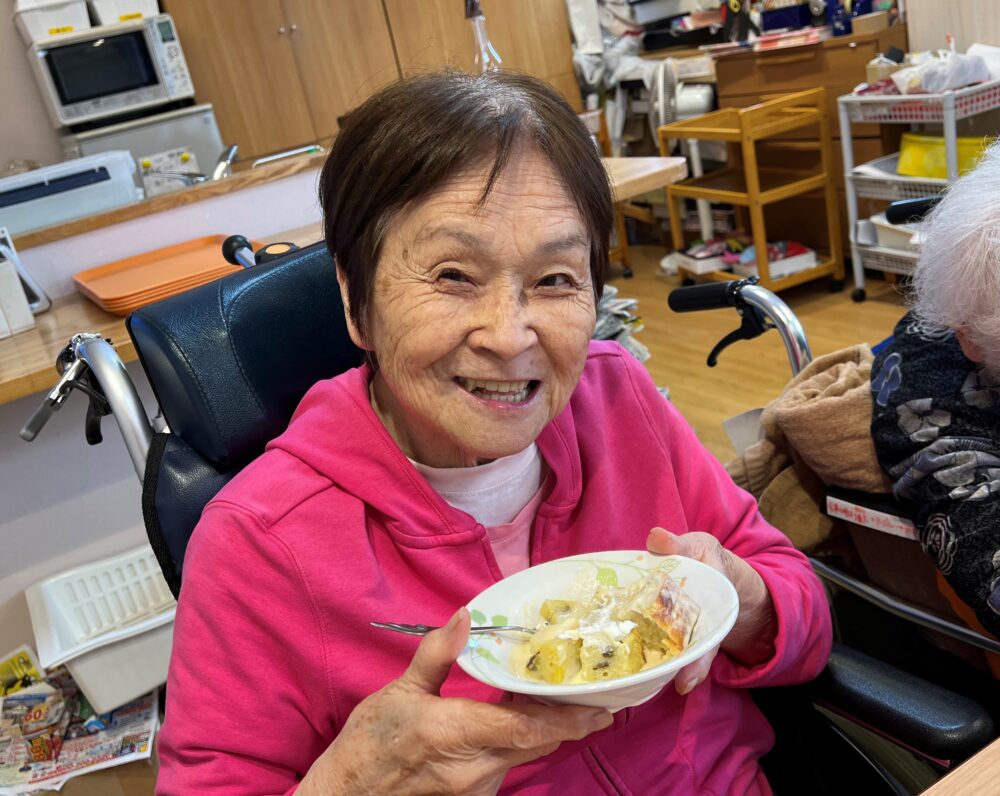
97	407
753	325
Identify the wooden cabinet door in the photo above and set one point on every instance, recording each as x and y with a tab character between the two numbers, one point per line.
241	60
344	54
531	36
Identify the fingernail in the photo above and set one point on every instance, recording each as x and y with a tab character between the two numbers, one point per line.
455	619
684	687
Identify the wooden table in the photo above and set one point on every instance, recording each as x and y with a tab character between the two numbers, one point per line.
977	775
631	177
27	360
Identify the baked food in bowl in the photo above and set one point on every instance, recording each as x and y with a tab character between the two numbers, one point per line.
653	614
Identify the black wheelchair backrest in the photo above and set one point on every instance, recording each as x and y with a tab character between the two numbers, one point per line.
228	363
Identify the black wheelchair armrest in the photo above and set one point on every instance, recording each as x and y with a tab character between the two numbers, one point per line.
928	719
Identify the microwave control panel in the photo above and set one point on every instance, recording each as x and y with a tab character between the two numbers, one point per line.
170	56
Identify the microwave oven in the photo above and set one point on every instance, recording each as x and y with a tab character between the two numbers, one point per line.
110	71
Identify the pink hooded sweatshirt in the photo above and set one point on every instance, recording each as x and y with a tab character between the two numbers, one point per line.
332	527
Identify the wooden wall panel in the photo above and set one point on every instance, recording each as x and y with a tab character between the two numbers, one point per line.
531	36
245	67
344	53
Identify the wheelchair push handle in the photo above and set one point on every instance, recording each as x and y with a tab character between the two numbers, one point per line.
711	296
759	310
237	250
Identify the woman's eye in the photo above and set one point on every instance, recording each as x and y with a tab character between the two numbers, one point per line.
453	276
555	280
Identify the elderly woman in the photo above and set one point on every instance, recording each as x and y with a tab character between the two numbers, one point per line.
469	219
936	422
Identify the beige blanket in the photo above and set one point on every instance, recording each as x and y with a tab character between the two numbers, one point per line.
818	428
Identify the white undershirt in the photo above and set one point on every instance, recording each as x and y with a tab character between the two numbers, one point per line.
493	493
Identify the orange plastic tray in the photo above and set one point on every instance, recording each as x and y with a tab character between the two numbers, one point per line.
169	290
158	273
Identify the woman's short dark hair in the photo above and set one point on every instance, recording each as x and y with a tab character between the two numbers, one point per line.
406	140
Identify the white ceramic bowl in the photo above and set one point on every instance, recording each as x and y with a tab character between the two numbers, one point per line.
516	600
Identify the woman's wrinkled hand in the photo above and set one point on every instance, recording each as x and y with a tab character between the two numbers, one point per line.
407	739
751	640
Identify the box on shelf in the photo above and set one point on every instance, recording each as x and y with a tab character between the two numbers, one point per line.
110	622
779	268
895	236
715	255
40	19
111	12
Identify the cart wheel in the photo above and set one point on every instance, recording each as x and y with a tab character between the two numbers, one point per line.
858	295
687	282
836	285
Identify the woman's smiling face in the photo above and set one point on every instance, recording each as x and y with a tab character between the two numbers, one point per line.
481	314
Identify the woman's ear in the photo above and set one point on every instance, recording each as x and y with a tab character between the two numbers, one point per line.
969	347
352	328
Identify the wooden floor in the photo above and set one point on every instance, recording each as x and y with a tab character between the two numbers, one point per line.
749	373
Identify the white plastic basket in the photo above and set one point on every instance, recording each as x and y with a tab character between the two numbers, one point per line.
110	623
880	258
878	179
914	108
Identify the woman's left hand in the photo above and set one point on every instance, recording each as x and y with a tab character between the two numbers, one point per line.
751	640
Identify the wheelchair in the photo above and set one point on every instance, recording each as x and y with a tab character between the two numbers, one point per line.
228	363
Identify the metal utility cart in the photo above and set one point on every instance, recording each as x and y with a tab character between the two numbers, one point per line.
753	187
878	179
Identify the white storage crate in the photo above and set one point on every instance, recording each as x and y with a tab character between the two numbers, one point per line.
110	622
111	12
40	19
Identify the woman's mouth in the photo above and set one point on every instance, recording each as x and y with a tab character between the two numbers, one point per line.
512	392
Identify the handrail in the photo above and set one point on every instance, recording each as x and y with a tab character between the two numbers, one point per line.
902	609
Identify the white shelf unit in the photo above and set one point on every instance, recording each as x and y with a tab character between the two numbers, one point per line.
878	179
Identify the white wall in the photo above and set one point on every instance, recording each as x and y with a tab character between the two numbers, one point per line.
62	502
25	129
970	21
259	212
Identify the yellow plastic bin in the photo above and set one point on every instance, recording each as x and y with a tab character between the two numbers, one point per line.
924	155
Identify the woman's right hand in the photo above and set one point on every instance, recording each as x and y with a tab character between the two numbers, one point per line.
407	739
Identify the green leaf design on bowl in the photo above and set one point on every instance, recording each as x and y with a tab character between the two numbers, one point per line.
478	617
498	620
482	652
607	576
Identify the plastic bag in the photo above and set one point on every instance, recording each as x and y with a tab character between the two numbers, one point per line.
941	73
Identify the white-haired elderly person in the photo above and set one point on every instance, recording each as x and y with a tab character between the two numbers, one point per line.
936	390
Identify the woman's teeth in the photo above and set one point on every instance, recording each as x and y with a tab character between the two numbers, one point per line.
508	391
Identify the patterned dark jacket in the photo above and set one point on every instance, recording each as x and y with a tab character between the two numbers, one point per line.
936	425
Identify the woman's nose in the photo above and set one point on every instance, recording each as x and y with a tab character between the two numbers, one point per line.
504	325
